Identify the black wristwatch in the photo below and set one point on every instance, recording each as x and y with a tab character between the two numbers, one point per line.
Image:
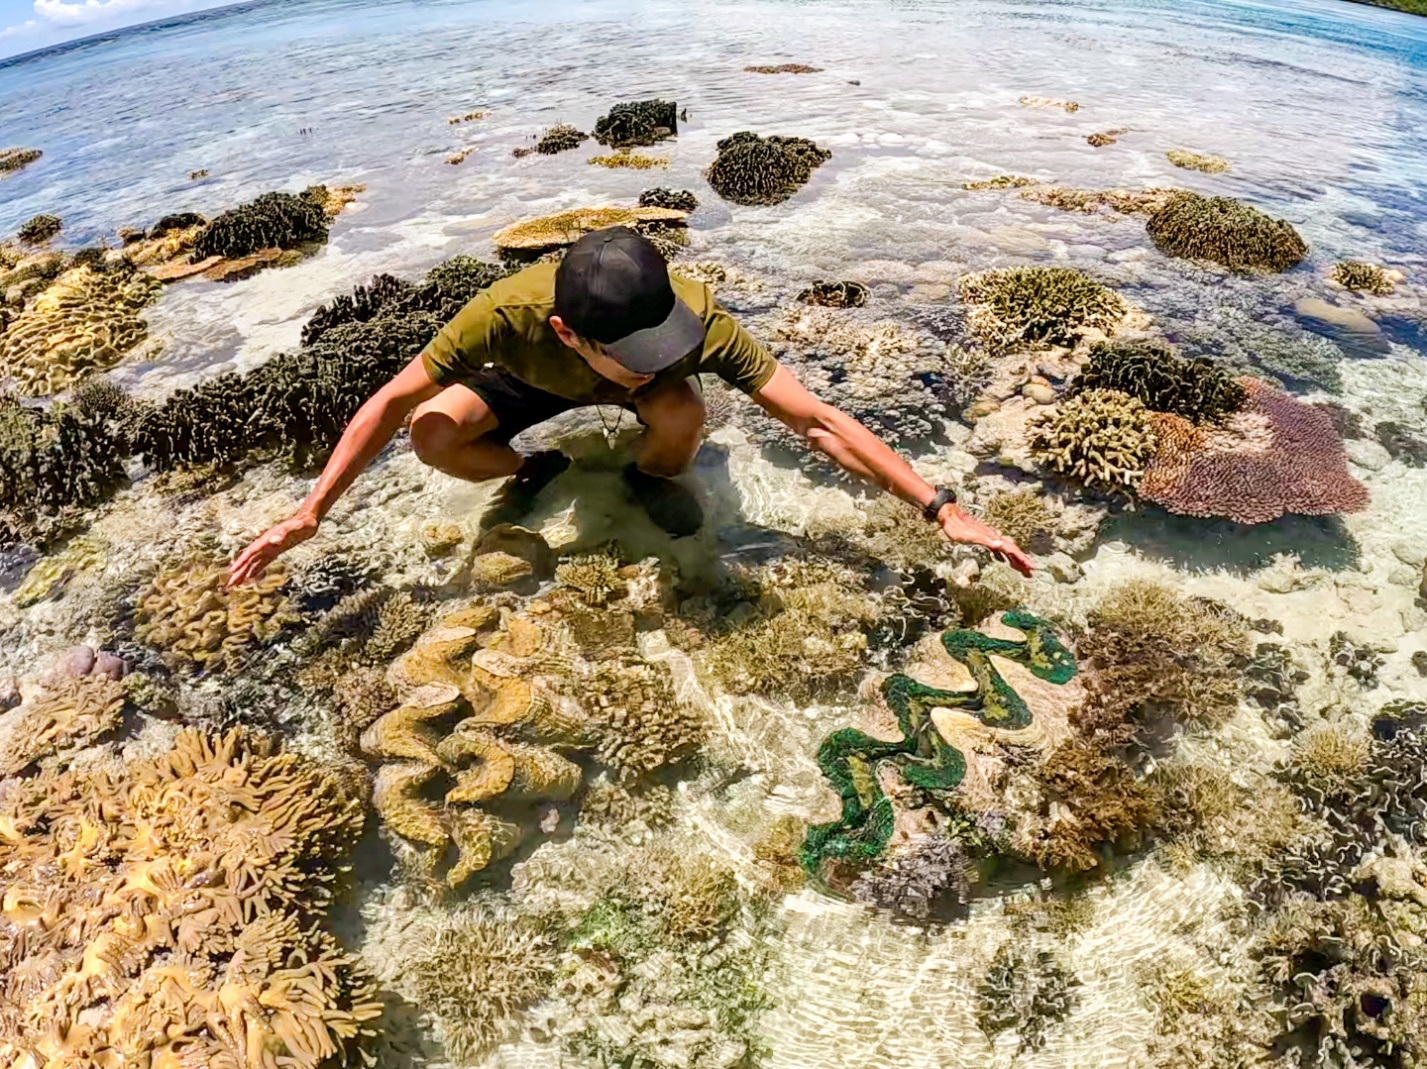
945	495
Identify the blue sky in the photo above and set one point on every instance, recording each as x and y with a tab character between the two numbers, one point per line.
29	24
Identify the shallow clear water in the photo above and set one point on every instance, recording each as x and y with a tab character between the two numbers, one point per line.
1321	107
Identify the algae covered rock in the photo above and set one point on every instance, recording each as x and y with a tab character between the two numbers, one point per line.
751	169
1226	232
640	122
1153	373
39	229
1047	306
271	221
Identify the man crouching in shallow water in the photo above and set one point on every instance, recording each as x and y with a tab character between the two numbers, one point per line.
608	325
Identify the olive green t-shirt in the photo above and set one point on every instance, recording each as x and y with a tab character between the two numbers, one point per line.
507	326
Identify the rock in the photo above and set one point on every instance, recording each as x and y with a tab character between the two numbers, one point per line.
180	269
111	665
1422	587
1349	327
1367	454
1400	576
1062	568
439	539
73	662
1419	662
235	270
981	408
1039	392
1410	553
10	693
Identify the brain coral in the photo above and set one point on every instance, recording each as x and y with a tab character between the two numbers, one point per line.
750	169
189	615
84	321
166	914
1038	306
1276	456
639	122
1152	372
1104	438
272	221
1226	231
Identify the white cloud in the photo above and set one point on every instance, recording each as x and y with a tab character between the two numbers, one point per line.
62	13
20	29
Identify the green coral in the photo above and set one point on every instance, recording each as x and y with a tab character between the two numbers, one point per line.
1038	306
750	169
850	759
1154	374
1103	438
1226	232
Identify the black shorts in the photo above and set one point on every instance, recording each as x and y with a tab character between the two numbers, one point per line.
517	405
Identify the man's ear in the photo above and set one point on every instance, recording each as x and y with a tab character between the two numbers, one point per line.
564	333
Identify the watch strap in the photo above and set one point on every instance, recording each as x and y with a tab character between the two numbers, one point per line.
945	495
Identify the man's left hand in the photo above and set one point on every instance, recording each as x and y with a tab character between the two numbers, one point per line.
959	527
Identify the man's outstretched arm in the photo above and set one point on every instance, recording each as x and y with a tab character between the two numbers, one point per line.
371	428
857	450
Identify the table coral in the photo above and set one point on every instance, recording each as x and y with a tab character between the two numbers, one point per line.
1028	307
1103	438
751	169
169	912
84	321
1225	231
1276	456
191	617
1153	373
530	238
271	221
640	122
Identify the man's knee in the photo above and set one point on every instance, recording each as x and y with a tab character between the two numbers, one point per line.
435	435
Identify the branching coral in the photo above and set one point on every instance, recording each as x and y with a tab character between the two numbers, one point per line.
167	913
750	169
1193	161
192	618
835	294
272	221
1276	456
1019	307
1362	277
639	720
1225	231
640	122
931	877
39	229
682	200
1021	515
1103	438
85	321
1154	374
560	138
1025	990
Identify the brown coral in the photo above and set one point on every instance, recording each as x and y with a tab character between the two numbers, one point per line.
73	712
1276	456
641	723
1035	307
163	914
529	238
1103	438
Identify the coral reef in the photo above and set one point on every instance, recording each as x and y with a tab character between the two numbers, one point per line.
930	878
271	221
1026	990
641	122
529	239
72	712
851	759
681	200
836	294
1001	181
169	912
38	229
1103	438
1193	161
85	321
751	169
1020	307
784	68
1154	374
560	138
17	159
1049	102
1276	456
1402	443
1362	277
1226	232
189	616
634	161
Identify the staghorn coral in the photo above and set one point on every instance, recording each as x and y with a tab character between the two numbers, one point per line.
1193	161
72	712
53	464
1001	181
1018	307
1103	438
271	221
85	321
640	122
169	911
682	200
560	138
1226	232
1025	990
1153	373
38	229
751	169
835	294
531	238
634	161
1362	277
189	616
929	878
17	159
1276	456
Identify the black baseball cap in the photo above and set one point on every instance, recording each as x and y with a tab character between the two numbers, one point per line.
612	287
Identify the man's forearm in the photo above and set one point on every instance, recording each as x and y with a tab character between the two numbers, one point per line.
856	449
371	428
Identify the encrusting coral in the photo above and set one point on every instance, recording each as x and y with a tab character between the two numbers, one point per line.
84	321
38	229
1362	277
1277	455
751	169
640	122
1225	231
1102	438
271	221
1193	161
169	912
1153	373
835	294
1023	307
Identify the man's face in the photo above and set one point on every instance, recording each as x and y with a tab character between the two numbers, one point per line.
605	366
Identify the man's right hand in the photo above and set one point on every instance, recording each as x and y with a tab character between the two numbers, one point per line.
270	545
